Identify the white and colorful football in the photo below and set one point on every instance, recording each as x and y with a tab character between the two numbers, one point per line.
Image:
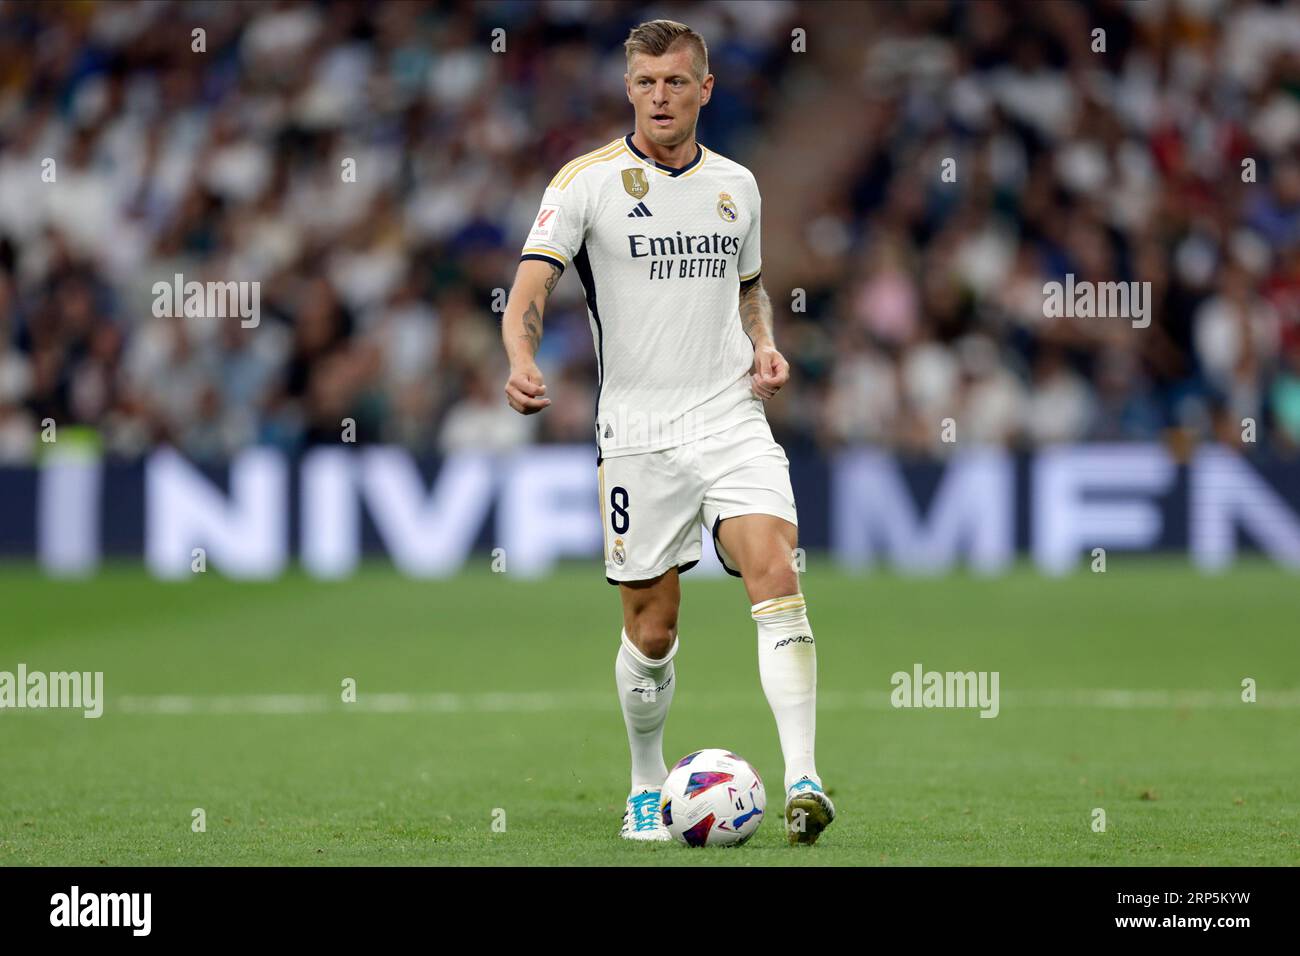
712	798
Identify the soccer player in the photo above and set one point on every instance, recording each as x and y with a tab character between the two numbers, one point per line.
664	235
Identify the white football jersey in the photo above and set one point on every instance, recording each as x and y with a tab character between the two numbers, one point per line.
661	253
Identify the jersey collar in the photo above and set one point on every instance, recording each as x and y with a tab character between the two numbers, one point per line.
670	170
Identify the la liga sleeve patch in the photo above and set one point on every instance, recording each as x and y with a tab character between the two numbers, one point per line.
544	225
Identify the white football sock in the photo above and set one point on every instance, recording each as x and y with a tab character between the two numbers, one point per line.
645	689
787	667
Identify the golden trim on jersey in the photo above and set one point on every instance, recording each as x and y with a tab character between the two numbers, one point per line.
589	163
751	275
704	155
537	251
694	165
604	528
585	156
704	158
566	175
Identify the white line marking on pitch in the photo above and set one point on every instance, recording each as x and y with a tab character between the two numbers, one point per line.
541	702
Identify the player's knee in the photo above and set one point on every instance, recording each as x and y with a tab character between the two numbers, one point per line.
772	576
653	638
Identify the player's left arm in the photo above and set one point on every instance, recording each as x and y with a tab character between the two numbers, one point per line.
771	370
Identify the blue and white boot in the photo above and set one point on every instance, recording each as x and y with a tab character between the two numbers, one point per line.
642	820
808	811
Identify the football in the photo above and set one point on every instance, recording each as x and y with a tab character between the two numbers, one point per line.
712	798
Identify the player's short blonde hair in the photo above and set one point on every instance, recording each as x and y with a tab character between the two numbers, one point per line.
657	37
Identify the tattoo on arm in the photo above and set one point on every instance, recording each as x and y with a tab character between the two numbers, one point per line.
552	279
532	320
756	313
532	327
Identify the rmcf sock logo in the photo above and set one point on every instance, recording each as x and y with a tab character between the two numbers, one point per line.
102	909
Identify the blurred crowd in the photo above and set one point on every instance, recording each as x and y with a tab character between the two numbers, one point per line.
925	167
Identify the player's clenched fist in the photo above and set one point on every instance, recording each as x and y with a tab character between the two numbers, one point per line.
771	371
525	391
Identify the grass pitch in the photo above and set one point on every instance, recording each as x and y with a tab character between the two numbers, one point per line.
486	698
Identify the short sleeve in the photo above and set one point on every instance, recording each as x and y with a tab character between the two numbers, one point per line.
750	261
560	226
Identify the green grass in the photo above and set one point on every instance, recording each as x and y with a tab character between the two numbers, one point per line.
1195	780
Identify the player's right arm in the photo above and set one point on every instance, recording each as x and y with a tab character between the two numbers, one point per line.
521	333
556	237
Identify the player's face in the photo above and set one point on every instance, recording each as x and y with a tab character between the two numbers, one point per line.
667	96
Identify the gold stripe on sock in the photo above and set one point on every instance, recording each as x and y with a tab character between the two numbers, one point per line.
776	605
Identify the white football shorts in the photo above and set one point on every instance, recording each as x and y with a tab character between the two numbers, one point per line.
654	503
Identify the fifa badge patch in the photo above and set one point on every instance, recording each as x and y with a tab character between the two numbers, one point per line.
727	208
635	182
618	555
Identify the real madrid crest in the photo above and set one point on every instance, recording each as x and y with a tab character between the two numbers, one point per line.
618	554
727	208
635	182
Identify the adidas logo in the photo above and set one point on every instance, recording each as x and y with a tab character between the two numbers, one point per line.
639	210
